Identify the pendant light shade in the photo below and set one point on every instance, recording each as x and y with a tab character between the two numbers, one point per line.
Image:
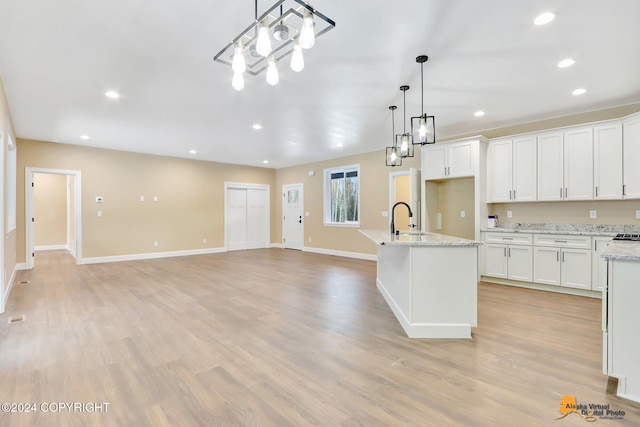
263	45
238	81
272	72
307	32
393	157
423	127
403	140
238	64
297	59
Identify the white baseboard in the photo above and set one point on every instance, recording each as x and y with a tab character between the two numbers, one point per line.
21	266
276	245
542	287
51	248
8	292
153	255
345	254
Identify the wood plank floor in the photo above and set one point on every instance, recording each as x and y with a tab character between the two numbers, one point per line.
285	338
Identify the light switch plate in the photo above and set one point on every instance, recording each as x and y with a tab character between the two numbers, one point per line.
155	198
385	214
593	214
307	213
142	198
462	214
637	214
509	214
99	214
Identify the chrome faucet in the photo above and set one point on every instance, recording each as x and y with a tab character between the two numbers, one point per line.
393	215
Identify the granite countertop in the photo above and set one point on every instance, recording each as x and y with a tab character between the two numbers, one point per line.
604	230
622	250
381	237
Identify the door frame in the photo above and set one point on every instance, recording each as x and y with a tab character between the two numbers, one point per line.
29	211
246	186
284	199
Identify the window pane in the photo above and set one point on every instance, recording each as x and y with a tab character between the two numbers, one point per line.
351	196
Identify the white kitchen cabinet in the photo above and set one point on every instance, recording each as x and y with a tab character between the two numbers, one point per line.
598	264
551	166
512	170
565	165
607	161
448	160
561	260
509	256
631	157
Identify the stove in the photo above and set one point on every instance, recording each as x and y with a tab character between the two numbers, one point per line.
630	237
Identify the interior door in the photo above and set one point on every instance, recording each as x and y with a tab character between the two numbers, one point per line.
257	205
246	217
292	216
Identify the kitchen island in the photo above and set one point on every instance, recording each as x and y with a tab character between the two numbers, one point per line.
430	282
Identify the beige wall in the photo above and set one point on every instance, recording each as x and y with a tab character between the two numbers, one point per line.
190	204
50	209
374	199
402	193
9	239
449	198
608	212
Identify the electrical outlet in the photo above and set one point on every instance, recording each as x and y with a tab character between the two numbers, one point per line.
99	214
142	198
309	239
385	214
307	213
509	214
593	214
155	244
155	198
204	241
462	214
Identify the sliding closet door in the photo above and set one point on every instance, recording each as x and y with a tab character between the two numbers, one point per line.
246	217
236	219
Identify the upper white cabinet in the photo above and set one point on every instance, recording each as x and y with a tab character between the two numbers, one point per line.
631	156
565	165
607	161
512	170
448	160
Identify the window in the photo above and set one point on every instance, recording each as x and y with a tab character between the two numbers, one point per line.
342	196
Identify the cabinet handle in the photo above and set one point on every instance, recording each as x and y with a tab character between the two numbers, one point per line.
561	192
507	238
624	189
509	194
560	241
557	255
596	242
562	256
514	194
509	252
445	171
505	251
596	191
565	192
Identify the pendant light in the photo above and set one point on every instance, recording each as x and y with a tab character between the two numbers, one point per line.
272	72
403	140
238	81
239	65
263	45
393	156
297	60
307	32
423	127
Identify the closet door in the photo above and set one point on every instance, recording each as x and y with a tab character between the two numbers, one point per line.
236	219
257	214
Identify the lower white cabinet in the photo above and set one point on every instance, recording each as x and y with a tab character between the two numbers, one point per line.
509	261
562	260
599	264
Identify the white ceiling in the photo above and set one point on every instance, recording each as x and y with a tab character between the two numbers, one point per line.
57	58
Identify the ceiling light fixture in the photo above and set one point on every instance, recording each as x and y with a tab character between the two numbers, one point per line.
423	127
294	29
265	161
193	152
568	62
85	137
403	140
112	94
392	154
257	126
579	91
544	18
479	113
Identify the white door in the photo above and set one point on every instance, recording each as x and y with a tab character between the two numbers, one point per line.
520	263
495	261
292	216
578	164
460	159
524	169
599	264
499	171
550	167
434	161
546	265
576	268
607	162
246	216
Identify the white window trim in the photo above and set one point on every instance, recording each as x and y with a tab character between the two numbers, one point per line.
10	179
326	196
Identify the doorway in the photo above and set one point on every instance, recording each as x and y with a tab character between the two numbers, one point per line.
404	186
292	212
246	213
70	182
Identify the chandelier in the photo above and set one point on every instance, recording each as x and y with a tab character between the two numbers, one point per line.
287	28
393	153
423	127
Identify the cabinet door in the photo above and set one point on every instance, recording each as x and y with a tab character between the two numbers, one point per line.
460	159
607	162
495	261
631	150
578	164
499	161
599	264
550	167
546	265
520	263
433	161
576	268
524	169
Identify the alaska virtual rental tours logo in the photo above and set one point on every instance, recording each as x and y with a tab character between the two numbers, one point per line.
589	412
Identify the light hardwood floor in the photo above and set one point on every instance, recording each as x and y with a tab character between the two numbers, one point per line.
285	338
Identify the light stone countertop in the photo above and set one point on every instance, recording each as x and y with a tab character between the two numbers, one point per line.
622	250
381	237
604	230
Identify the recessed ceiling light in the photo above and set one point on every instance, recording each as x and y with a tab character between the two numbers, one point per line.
544	18
339	145
479	113
568	62
55	140
579	91
112	94
85	137
192	151
257	126
265	161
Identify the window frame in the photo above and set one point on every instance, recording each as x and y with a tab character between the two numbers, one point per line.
327	195
10	180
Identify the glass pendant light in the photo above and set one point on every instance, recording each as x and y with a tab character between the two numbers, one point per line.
392	157
403	140
297	60
307	34
239	65
272	72
238	81
423	127
263	45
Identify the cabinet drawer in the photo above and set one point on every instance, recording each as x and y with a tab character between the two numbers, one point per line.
562	241
509	238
